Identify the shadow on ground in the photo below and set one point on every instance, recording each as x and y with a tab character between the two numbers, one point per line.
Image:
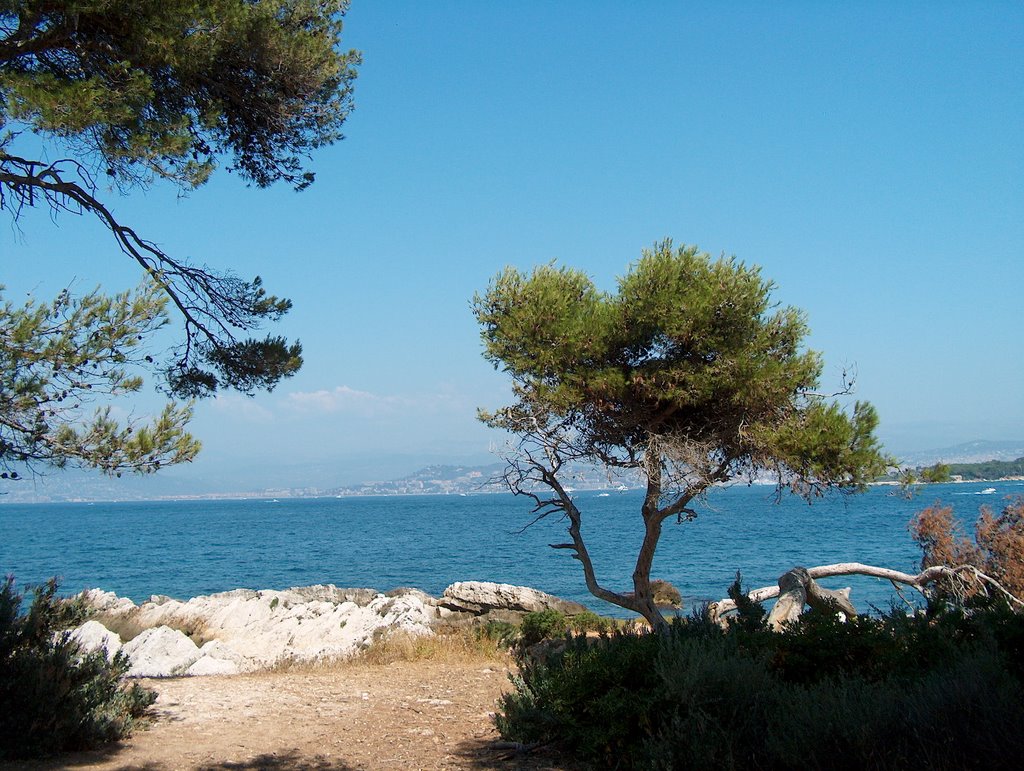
278	761
284	760
504	756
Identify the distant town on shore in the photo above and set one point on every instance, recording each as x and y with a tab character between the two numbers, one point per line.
968	462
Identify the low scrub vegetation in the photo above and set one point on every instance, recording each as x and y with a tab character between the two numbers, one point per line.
940	690
54	696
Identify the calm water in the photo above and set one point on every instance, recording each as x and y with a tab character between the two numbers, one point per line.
186	548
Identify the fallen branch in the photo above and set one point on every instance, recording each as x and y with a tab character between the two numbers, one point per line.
797	587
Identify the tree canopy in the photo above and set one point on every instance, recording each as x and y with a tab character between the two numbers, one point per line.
101	97
689	374
58	361
134	91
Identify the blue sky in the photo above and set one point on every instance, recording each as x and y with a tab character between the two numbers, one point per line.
868	156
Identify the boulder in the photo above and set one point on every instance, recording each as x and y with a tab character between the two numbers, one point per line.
93	636
480	597
254	629
160	652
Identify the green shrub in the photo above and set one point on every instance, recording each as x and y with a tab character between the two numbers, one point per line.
588	621
501	632
596	695
665	595
940	691
541	625
55	697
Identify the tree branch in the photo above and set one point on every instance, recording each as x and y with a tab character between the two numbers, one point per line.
920	581
213	306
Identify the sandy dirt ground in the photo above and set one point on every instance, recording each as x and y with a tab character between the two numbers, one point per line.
408	715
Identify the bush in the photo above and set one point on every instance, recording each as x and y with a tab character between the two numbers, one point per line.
541	625
55	697
665	595
996	549
588	621
940	691
596	696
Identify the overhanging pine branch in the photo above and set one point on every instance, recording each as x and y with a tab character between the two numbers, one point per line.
214	307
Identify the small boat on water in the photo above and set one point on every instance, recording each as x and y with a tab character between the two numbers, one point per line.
987	491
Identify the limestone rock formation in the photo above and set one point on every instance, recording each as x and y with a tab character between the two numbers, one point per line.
99	600
254	629
480	597
243	630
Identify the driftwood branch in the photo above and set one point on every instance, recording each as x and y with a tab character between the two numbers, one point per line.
797	588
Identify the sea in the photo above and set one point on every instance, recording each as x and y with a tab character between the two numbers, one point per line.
192	547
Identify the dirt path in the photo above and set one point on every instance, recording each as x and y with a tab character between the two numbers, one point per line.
407	715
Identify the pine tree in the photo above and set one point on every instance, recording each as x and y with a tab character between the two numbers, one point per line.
688	375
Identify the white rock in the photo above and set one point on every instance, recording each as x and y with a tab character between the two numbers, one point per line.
211	666
106	601
483	596
93	636
215	649
252	629
160	652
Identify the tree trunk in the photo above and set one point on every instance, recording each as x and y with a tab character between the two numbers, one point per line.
796	589
792	598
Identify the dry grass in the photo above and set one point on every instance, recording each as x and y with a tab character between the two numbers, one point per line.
457	647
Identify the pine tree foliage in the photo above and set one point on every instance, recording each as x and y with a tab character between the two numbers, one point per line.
61	361
689	373
134	91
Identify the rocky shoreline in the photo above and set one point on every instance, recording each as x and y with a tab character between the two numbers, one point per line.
246	630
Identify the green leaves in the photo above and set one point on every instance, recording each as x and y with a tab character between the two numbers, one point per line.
164	89
244	366
134	91
543	325
824	447
62	363
691	353
56	697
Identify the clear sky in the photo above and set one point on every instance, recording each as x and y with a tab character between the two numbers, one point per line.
869	156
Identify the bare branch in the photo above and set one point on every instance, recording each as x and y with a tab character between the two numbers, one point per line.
921	581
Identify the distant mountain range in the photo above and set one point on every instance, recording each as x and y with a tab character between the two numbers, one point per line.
437	479
968	452
465	480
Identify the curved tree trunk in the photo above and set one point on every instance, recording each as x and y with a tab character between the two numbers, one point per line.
797	587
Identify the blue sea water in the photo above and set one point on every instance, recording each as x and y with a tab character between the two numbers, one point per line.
187	548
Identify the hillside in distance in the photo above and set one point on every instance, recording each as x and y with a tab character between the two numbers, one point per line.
988	470
440	479
321	480
978	451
